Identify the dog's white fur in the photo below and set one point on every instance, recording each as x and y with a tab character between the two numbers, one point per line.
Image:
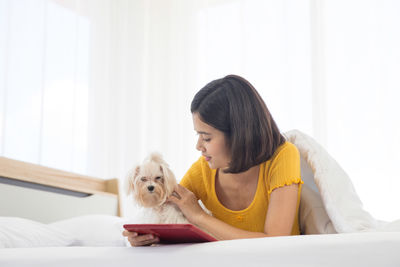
150	184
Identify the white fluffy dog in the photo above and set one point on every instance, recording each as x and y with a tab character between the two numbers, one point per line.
150	184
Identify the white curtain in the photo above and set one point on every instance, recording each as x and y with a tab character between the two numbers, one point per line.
361	85
93	86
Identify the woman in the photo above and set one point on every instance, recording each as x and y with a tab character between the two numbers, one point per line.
248	175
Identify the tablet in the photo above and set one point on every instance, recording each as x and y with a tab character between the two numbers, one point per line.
172	233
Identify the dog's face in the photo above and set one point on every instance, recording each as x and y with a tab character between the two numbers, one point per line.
152	182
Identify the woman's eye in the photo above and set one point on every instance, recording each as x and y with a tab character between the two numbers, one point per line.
207	140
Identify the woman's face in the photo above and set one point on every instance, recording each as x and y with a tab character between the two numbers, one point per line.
211	143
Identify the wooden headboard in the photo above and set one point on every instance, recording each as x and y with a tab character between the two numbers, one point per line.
44	194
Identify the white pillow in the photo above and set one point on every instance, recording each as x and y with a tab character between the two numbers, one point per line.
94	230
18	233
340	199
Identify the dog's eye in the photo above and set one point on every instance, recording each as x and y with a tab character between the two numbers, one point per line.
143	179
158	177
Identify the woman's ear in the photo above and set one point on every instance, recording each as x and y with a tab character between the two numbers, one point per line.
130	180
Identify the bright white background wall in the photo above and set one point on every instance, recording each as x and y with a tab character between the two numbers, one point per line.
93	86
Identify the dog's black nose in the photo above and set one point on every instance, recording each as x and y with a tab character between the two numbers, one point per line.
150	188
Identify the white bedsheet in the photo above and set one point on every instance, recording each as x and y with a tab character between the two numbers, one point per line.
353	249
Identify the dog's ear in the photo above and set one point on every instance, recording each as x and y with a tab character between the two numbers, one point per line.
130	180
169	177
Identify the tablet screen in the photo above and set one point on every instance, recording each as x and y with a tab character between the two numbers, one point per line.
172	233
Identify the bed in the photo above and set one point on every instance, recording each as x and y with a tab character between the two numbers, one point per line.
47	195
76	221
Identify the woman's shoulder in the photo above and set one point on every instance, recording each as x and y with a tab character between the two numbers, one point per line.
284	167
200	166
287	149
287	146
197	178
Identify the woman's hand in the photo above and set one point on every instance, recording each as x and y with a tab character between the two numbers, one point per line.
137	240
187	203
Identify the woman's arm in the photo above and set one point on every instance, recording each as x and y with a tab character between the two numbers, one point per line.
282	210
279	221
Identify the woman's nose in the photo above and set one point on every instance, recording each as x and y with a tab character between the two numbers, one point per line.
199	145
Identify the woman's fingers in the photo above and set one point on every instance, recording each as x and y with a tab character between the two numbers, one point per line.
175	194
149	240
178	193
129	234
180	189
143	240
140	240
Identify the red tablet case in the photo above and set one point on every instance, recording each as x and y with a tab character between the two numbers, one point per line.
172	233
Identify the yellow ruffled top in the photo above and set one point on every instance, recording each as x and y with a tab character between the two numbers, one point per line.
282	169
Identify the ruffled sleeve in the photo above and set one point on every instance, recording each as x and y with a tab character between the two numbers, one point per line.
285	167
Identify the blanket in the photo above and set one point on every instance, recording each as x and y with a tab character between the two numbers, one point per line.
334	186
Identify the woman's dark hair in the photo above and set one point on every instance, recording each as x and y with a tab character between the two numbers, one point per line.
233	106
